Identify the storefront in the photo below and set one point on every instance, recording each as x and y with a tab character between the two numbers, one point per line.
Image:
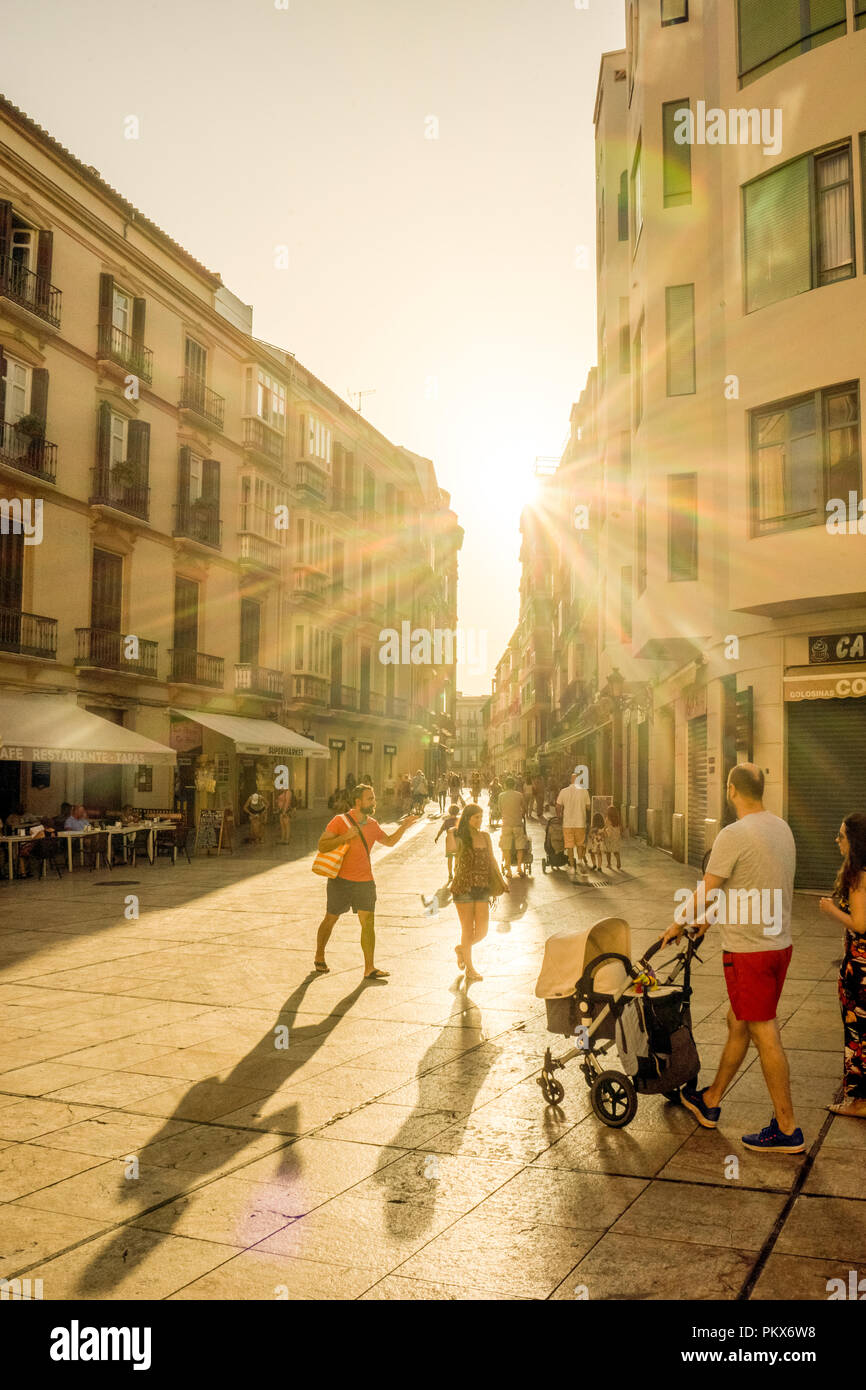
826	748
53	751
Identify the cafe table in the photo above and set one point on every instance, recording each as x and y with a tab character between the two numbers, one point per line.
9	841
124	831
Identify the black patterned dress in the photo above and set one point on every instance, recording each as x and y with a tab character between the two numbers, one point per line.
852	998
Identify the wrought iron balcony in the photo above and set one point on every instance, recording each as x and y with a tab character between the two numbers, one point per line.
311	690
106	651
258	680
309	581
30	453
375	702
119	347
259	553
396	707
28	634
123	487
198	398
198	521
195	668
32	291
344	697
259	438
311	479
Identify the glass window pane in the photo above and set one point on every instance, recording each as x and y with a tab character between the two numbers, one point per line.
777	235
677	161
771	483
680	314
770	428
803	474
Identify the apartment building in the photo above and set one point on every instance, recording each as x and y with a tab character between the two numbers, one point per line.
503	720
217	527
470	737
731	302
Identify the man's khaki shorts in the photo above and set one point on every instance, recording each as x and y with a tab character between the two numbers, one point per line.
573	836
512	838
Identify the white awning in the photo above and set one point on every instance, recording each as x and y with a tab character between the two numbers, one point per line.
260	736
49	729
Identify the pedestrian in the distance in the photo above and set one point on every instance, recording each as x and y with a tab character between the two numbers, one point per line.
596	840
613	836
442	791
354	889
476	880
285	807
447	829
575	802
256	808
848	907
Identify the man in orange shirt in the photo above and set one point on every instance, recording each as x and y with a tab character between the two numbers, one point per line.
354	890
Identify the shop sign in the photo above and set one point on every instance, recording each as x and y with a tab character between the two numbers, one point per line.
838	646
184	735
827	687
390	750
365	747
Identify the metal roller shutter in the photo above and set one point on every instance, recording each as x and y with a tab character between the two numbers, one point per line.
826	781
697	808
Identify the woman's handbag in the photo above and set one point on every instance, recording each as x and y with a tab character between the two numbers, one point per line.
329	865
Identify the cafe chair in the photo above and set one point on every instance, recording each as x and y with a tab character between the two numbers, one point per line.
171	840
137	845
94	849
48	852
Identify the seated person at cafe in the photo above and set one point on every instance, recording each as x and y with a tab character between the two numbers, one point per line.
78	820
59	822
19	819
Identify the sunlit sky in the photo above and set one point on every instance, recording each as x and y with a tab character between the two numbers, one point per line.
439	273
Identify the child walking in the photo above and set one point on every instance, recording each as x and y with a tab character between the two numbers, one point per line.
448	827
596	840
613	836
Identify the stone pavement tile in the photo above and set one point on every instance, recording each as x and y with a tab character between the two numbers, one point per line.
284	1114
846	1133
24	1120
706	1158
111	1089
368	1234
510	1256
104	1193
128	1264
830	1228
593	1147
228	1211
209	1149
398	1125
492	1133
838	1173
702	1215
394	1288
27	1235
253	1275
123	1055
111	1134
805	1063
555	1197
793	1278
25	1168
452	1181
653	1267
525	1098
348	1087
325	1166
806	1092
205	1100
186	1064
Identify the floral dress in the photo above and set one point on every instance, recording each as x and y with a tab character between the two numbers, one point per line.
852	998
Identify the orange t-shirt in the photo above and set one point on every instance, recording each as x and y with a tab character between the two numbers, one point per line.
356	864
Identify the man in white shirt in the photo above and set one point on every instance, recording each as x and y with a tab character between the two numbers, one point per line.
575	802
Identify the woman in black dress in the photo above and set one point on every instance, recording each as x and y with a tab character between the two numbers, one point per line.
848	906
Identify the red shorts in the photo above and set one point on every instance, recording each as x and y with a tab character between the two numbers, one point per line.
754	980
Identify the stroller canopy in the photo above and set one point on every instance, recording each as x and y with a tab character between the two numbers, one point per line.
567	954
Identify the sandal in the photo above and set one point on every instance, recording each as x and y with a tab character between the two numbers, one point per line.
472	975
847	1112
321	967
377	975
461	960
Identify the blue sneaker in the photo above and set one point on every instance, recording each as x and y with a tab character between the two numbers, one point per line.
773	1140
706	1115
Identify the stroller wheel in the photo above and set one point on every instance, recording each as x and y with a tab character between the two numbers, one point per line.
673	1097
613	1099
551	1089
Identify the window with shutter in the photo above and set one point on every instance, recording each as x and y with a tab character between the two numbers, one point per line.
640	545
637	194
106	595
674	11
251	623
622	207
677	159
185	614
682	526
680	341
805	452
860	14
210	488
771	32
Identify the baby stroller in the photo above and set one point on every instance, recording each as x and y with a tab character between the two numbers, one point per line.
493	818
555	856
618	1006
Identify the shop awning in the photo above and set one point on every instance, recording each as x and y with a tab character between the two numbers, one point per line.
826	685
261	736
49	729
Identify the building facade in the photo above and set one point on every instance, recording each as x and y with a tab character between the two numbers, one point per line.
470	742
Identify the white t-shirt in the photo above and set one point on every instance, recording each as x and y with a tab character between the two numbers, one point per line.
574	801
756	853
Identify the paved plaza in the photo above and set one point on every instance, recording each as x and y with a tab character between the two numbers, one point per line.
158	1140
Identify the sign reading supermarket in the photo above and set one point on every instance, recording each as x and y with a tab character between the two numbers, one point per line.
839	646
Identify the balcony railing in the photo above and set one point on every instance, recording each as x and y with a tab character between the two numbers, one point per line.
25	451
105	650
28	634
195	668
258	680
33	291
122	488
344	697
396	707
263	440
198	521
312	690
308	581
119	347
255	550
309	478
197	397
372	702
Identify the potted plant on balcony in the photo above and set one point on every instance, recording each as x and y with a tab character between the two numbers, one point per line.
32	429
125	474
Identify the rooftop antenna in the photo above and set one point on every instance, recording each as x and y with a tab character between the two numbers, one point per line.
359	397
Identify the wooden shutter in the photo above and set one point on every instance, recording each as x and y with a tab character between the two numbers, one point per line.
106	301
44	256
210	482
139	311
106	594
622	207
138	447
251	623
2	388
39	394
697	789
303	448
185	615
11	571
183	476
103	436
677	161
680	323
5	235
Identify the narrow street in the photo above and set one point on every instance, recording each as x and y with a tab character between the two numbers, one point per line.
158	1140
